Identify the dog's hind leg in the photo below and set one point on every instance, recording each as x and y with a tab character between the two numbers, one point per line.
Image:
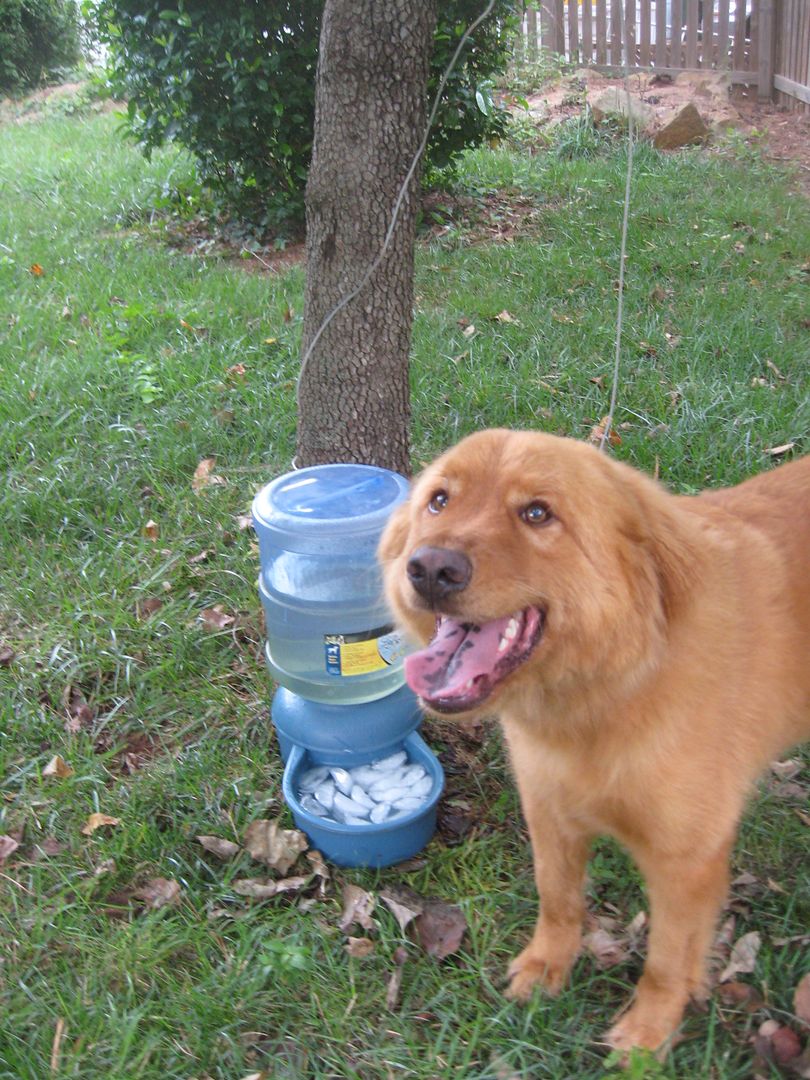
686	894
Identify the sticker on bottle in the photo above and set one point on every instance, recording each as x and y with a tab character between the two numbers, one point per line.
361	654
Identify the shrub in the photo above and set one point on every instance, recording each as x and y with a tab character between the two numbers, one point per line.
234	82
37	37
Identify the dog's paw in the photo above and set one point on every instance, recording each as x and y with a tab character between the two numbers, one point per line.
634	1032
529	970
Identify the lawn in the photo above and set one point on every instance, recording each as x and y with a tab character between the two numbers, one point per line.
130	632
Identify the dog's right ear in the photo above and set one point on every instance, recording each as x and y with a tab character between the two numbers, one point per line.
395	534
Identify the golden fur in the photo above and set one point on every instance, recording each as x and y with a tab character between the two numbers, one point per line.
674	664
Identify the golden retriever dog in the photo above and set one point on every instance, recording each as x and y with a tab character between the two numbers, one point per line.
647	655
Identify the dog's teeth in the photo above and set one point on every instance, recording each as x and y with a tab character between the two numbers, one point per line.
503	644
511	629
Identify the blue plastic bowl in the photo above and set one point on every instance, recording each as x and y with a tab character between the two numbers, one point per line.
372	845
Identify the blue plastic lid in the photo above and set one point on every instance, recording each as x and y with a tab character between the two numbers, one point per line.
325	500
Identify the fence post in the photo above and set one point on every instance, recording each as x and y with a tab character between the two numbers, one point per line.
766	50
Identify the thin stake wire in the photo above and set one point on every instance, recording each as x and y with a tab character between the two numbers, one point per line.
364	280
614	390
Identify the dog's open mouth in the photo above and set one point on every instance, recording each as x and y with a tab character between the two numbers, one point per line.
465	662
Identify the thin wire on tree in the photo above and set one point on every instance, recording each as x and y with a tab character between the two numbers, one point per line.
364	280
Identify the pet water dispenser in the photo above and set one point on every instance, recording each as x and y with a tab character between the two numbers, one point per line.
342	710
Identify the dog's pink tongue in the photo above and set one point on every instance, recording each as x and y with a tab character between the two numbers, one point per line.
458	654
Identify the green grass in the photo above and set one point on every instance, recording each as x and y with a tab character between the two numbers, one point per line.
114	384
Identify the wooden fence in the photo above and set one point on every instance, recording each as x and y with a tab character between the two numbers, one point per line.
763	43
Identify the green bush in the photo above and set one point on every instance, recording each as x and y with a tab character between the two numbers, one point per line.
234	82
37	38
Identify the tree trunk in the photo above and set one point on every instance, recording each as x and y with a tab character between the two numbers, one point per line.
370	109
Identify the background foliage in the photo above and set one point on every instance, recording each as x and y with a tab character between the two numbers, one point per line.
37	37
234	82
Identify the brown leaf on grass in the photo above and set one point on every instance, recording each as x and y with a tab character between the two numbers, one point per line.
605	948
236	371
244	521
776	1043
146	607
204	476
265	888
778	451
98	821
7	655
151	530
505	317
223	849
8	845
58	767
801	999
158	892
319	869
36	270
440	928
278	848
788	769
743	957
359	947
597	433
215	618
740	995
395	979
79	712
404	904
357	908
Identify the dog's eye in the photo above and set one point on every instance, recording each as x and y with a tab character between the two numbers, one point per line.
536	513
438	501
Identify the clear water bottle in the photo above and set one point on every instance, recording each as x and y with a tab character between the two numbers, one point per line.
329	633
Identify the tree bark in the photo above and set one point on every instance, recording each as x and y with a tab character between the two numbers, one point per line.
370	111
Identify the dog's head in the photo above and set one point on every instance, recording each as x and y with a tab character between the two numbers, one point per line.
523	556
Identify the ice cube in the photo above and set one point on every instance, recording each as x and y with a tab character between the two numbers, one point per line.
422	787
393	761
342	779
350	819
364	775
388	792
408	803
348	806
380	812
309	780
359	795
325	794
311	805
412	773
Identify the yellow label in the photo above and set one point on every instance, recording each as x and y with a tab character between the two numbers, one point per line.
360	658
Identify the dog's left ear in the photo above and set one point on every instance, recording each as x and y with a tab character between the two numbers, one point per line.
395	533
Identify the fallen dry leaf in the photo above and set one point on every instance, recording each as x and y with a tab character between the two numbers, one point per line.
777	451
359	947
743	957
97	821
597	433
395	978
786	770
215	618
151	530
357	908
8	845
740	996
801	999
223	849
7	655
278	848
404	904
607	950
79	712
265	888
158	892
440	928
319	869
505	317
36	270
204	476
147	607
244	521
57	766
777	1043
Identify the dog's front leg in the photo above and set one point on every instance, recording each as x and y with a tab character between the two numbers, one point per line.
560	849
685	895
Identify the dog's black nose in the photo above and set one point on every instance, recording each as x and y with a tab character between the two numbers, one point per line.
437	572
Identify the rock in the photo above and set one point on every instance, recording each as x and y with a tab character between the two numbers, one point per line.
685	127
613	102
